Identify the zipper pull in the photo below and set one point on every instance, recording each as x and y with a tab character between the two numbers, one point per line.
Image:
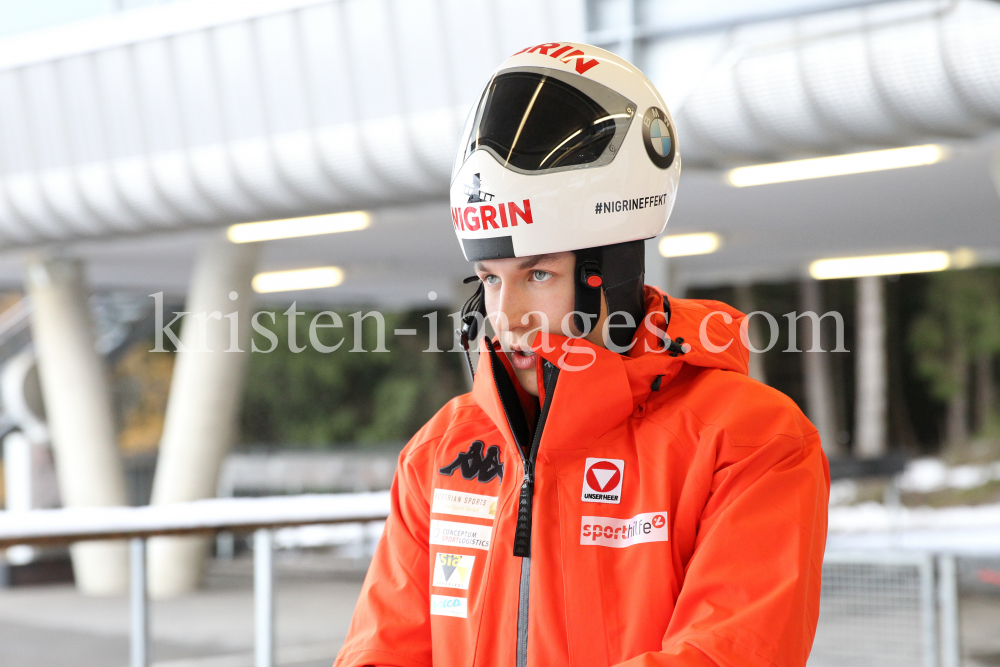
522	531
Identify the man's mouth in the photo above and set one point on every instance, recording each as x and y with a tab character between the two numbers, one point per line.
523	361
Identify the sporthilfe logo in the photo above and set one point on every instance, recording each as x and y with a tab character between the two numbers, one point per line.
602	481
620	533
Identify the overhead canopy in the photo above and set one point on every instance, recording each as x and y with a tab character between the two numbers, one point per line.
206	113
125	139
891	74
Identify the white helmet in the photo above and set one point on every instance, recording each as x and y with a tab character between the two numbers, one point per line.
569	147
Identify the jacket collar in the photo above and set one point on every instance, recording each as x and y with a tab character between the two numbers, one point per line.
597	389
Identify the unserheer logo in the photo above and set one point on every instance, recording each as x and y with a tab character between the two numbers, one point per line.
602	481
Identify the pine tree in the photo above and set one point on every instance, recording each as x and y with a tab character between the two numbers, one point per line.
960	324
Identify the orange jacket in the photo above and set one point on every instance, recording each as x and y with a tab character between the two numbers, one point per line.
676	512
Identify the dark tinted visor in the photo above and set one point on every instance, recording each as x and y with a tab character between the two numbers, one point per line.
537	120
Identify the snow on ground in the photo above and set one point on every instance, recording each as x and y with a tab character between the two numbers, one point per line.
872	517
925	475
929	475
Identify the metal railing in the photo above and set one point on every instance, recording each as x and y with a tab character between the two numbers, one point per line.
137	524
896	585
888	608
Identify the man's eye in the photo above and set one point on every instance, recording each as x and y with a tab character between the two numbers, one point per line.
491	279
540	276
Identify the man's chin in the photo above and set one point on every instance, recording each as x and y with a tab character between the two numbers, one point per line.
528	380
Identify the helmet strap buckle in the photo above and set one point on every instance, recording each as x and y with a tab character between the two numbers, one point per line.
589	285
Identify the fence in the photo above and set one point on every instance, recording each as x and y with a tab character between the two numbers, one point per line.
888	609
260	515
889	597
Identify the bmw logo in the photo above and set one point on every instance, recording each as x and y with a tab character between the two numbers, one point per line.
658	136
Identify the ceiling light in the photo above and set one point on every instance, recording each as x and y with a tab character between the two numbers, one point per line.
836	165
249	232
286	281
964	258
879	265
680	245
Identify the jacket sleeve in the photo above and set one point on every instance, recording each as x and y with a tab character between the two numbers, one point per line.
750	594
391	623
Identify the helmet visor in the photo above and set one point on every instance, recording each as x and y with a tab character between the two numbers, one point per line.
534	119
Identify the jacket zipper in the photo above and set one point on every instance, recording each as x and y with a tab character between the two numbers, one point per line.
522	530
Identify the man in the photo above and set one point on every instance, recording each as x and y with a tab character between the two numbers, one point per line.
615	489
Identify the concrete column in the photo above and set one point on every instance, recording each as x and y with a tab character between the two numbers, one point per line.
17	486
871	378
746	304
816	373
204	402
78	405
17	472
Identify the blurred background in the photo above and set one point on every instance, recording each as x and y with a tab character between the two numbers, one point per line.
841	157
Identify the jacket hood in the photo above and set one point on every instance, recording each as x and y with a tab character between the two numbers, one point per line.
606	386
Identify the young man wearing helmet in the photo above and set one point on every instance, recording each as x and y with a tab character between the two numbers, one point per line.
615	489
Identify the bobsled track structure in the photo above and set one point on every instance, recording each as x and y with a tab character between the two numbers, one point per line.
167	119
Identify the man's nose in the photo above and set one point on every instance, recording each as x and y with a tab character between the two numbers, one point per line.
511	308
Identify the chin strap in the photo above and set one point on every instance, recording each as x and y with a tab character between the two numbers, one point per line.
589	281
472	317
617	270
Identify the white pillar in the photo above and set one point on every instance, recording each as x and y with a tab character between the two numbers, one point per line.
870	397
816	372
78	408
17	487
204	401
17	472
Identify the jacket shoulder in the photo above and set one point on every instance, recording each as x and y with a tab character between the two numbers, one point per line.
456	413
750	412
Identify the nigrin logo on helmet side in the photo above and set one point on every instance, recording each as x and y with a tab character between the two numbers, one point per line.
559	53
488	216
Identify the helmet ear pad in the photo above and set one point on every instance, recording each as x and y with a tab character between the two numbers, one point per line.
620	271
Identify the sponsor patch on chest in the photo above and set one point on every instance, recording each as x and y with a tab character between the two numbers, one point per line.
453	534
464	504
602	481
445	605
453	570
621	533
476	464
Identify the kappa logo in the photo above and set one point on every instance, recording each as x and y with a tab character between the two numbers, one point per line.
602	481
475	465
